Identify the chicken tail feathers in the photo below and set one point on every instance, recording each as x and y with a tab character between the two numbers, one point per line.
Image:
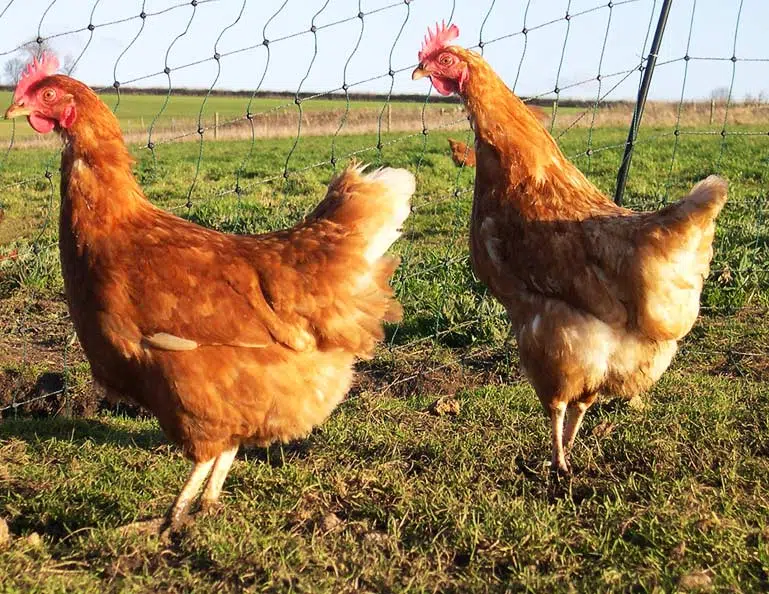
367	210
375	204
704	202
387	267
675	257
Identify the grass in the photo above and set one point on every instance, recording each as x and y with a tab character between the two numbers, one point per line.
177	116
138	105
388	496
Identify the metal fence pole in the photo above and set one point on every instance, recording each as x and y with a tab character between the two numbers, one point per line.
643	91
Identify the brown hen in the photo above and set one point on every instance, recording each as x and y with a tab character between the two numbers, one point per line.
461	154
226	339
598	295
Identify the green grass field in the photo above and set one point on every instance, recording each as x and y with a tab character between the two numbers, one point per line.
134	106
671	494
178	114
137	112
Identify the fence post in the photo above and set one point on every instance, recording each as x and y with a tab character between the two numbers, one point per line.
216	125
712	110
389	116
643	91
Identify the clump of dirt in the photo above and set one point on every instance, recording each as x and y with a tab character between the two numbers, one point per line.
5	533
445	406
696	581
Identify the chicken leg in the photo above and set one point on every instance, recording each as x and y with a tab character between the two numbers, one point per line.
565	420
574	415
210	497
178	510
557	412
216	470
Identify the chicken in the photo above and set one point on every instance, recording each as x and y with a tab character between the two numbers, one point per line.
464	156
461	154
597	295
226	339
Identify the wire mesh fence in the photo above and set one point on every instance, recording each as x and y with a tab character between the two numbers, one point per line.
289	92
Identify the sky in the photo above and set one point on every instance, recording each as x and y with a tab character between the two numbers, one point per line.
556	52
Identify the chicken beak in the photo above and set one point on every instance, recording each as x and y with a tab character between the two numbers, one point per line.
16	110
419	72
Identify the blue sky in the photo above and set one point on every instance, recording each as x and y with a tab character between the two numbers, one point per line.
292	58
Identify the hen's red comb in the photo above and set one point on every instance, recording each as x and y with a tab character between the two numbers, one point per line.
35	71
438	39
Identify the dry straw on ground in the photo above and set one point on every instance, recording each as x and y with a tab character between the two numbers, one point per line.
284	123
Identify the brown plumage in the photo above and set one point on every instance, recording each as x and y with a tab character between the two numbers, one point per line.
461	154
226	339
464	155
597	294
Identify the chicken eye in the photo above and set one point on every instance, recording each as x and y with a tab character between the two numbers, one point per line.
446	59
49	95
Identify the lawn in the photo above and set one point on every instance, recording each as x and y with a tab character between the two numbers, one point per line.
391	494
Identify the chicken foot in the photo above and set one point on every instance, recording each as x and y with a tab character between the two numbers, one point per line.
178	511
565	420
218	468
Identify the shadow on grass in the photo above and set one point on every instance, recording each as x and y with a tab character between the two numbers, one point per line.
96	431
79	431
60	513
278	455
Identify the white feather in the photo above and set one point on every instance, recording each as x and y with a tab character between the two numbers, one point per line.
400	186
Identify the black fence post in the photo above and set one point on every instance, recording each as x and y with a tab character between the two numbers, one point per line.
643	91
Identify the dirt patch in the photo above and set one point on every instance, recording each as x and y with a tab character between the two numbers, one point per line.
49	393
43	370
421	371
743	360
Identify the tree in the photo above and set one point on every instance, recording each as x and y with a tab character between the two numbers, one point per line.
13	68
